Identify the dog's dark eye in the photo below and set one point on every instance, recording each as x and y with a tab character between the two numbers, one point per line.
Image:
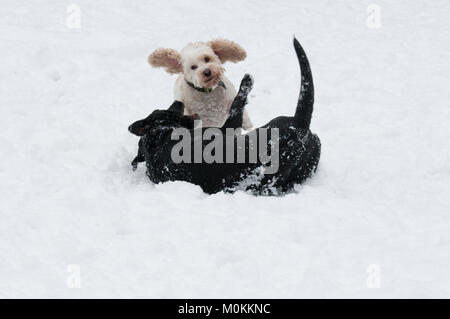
193	67
206	59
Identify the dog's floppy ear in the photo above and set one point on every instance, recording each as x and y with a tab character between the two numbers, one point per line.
177	107
139	127
228	50
169	59
188	121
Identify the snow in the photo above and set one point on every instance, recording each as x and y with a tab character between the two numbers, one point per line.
380	199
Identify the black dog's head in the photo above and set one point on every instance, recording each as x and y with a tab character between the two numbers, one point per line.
164	119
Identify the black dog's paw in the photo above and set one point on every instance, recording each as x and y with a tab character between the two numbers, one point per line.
246	84
138	159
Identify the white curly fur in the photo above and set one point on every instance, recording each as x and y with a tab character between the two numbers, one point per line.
212	107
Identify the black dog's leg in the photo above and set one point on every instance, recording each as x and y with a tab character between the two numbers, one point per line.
139	157
237	107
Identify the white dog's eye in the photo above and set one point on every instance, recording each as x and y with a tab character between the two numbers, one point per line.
193	67
206	59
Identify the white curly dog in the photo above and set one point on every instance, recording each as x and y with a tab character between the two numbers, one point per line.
201	85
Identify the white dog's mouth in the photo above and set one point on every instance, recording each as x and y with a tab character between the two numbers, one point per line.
212	80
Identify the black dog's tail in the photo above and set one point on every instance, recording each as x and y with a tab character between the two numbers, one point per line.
305	104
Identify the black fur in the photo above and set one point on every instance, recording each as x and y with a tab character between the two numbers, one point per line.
299	149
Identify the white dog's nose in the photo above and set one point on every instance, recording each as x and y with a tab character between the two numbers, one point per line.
207	72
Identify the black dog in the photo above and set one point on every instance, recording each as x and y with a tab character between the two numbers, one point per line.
298	148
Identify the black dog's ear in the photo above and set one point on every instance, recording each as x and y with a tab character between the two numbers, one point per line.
139	128
177	107
188	121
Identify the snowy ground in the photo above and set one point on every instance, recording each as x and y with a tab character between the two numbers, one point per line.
378	208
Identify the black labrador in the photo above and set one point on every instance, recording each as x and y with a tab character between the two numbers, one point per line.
294	150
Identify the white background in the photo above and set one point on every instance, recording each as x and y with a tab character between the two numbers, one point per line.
380	196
